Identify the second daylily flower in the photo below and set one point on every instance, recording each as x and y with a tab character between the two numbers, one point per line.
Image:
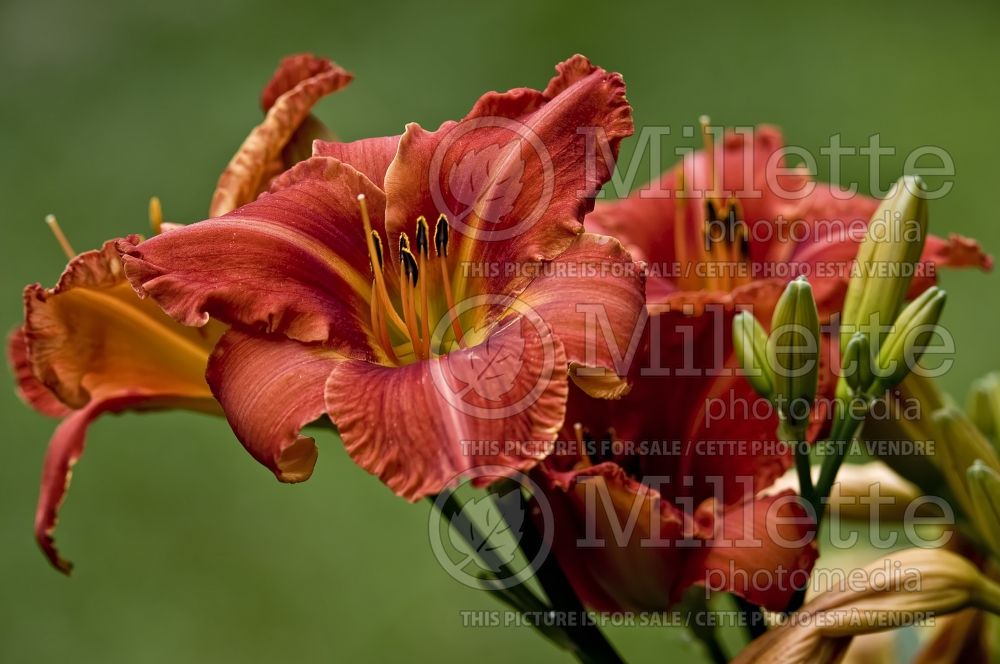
89	346
422	290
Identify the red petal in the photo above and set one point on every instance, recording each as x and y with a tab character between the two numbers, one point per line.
29	388
415	423
513	177
623	573
956	251
270	389
294	262
757	551
370	156
591	286
64	450
646	568
298	84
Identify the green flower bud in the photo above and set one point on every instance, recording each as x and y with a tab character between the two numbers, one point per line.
984	492
750	344
885	262
959	446
909	335
793	351
983	404
857	363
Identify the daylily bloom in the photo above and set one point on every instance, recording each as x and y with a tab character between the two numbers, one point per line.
733	216
421	290
705	265
90	346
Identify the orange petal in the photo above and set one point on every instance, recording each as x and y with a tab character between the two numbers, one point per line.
298	84
29	388
91	335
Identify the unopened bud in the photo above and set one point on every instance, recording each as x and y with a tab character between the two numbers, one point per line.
960	444
886	260
909	336
983	405
750	345
984	492
793	351
857	363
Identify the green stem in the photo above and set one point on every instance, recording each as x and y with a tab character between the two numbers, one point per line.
584	640
796	436
452	511
592	647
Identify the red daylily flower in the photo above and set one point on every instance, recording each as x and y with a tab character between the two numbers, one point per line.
725	455
90	346
461	329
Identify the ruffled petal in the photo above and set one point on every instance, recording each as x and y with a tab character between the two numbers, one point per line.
514	177
294	262
632	565
298	84
91	335
270	388
762	550
370	156
957	251
592	297
64	451
419	426
29	388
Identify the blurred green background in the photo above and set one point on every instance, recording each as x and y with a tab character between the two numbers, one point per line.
186	548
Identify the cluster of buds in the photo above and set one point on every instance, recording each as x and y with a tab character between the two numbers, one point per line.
882	337
783	366
970	464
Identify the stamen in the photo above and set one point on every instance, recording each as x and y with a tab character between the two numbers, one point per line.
60	236
155	215
714	248
423	249
377	242
423	252
441	233
581	446
404	243
410	274
378	324
410	269
373	256
709	142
